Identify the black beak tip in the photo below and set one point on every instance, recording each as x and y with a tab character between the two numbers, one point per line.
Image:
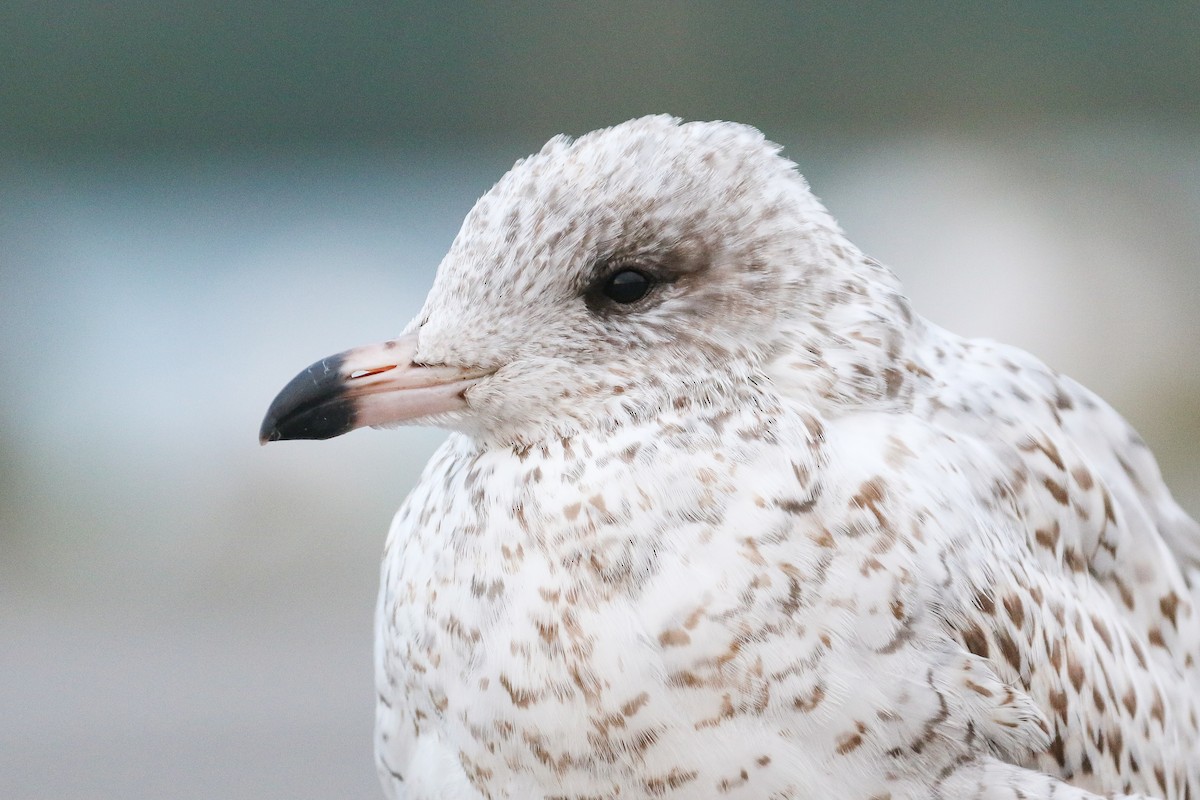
314	405
332	418
268	432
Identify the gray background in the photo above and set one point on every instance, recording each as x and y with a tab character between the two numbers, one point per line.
197	200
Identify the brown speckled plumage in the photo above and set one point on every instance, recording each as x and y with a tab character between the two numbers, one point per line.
766	533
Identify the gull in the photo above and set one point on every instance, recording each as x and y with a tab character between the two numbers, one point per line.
720	516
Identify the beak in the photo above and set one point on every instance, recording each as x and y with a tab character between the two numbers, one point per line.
373	385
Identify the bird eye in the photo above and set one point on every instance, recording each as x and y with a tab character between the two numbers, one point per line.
627	286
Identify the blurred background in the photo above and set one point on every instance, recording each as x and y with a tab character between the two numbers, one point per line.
198	200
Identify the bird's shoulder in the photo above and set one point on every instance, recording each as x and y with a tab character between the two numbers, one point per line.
1079	572
1006	397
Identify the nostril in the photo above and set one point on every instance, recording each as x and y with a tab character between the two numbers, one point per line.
366	373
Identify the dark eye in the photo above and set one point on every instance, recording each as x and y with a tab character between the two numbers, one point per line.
627	286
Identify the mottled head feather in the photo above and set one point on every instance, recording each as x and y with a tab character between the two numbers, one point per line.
711	208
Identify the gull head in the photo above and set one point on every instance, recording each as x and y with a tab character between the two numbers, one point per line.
650	266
